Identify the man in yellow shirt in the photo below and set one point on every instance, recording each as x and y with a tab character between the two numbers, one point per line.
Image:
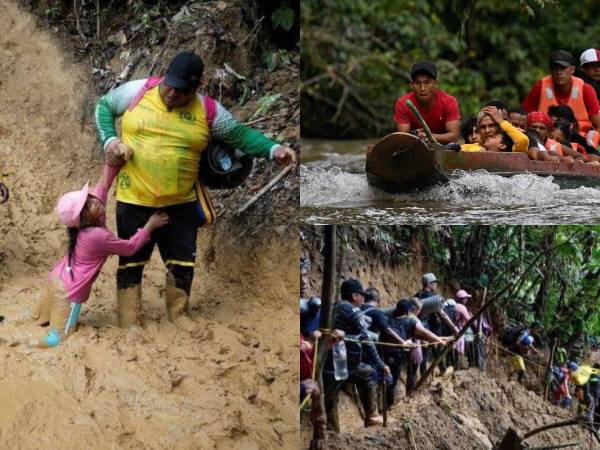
168	126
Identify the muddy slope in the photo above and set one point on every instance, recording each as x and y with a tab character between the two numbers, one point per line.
229	383
471	410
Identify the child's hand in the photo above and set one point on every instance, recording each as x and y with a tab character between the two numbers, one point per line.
126	151
157	220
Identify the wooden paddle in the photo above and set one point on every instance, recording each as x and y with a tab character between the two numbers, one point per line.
422	122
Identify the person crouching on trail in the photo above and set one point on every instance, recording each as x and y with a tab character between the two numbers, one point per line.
587	389
90	244
521	347
560	383
438	109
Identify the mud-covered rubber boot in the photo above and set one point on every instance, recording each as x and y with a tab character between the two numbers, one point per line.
178	306
59	315
129	306
41	311
371	416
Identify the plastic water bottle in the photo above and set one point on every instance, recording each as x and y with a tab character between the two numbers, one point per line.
340	362
226	162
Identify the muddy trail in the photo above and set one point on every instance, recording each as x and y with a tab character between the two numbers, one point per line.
469	409
230	382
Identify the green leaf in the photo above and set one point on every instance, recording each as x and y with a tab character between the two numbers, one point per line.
271	60
267	100
283	17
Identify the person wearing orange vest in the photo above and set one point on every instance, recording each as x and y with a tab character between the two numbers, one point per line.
563	132
540	123
586	145
561	87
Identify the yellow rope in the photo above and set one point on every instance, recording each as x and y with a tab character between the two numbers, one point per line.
513	353
305	401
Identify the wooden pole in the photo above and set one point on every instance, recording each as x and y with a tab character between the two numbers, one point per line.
458	336
422	122
266	189
326	320
383	388
547	372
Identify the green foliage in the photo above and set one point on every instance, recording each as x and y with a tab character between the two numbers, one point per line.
264	104
54	10
356	54
146	14
283	17
273	59
549	273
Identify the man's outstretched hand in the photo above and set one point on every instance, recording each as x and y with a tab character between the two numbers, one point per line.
284	156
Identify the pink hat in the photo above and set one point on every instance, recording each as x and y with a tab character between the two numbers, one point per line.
70	205
463	294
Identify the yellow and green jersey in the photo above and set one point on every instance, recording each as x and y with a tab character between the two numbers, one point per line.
167	143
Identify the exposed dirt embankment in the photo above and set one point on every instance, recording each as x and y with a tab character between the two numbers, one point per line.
394	268
229	384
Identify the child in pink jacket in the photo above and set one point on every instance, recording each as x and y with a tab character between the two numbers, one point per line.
90	244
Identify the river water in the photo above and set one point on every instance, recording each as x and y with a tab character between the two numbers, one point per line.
334	189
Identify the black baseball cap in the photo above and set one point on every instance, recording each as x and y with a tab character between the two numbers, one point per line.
184	72
562	58
423	67
351	286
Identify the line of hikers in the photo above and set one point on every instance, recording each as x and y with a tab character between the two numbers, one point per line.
557	121
382	343
564	377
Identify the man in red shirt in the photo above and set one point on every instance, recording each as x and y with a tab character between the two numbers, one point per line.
439	110
561	87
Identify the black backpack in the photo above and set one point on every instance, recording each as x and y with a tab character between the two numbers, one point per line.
450	310
509	335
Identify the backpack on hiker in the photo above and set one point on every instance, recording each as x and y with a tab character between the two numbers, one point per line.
509	336
450	310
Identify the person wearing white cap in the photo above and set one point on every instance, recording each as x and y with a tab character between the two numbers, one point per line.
590	68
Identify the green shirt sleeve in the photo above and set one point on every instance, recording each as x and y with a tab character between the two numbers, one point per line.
228	130
112	105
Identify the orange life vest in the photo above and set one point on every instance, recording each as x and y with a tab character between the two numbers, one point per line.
553	146
547	99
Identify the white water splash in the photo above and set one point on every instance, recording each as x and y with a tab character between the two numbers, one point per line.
320	187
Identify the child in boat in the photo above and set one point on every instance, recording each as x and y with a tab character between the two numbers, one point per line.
496	134
90	244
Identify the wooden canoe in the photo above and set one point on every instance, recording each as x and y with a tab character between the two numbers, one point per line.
401	162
